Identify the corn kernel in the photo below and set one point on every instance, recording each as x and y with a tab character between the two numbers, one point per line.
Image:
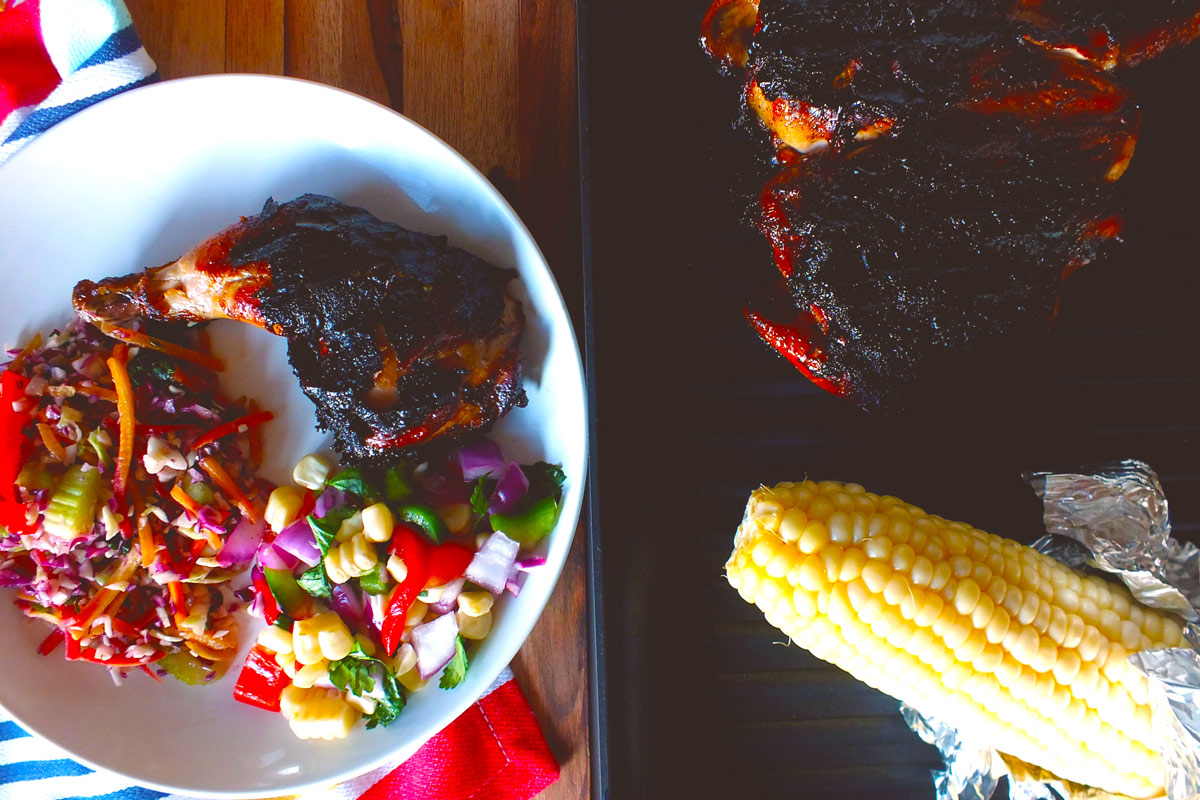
308	674
377	523
283	506
475	604
275	639
396	568
474	627
312	471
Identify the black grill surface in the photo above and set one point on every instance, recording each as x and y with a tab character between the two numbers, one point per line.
700	697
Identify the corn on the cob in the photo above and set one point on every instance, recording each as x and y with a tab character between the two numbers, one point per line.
992	636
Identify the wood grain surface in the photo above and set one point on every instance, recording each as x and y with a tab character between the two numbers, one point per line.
496	81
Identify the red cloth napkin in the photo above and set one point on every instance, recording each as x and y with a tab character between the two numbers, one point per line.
494	751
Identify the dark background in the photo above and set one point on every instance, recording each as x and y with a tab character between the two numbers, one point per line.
691	411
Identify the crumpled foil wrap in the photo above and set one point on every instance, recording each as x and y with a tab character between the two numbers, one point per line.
1113	519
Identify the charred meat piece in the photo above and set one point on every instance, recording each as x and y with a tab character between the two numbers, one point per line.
890	255
399	339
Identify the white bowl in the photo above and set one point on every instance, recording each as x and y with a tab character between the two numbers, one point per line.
132	183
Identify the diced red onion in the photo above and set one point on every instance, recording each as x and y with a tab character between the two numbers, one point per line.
511	488
374	607
480	458
346	603
241	543
531	562
512	587
493	562
327	500
298	540
271	558
449	599
435	644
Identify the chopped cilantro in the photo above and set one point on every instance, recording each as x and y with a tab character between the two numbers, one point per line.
374	580
325	528
456	670
351	480
545	480
388	707
316	582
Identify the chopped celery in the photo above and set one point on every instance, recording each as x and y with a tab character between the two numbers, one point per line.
72	508
202	493
100	442
33	476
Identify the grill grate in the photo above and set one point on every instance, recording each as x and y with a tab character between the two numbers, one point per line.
691	412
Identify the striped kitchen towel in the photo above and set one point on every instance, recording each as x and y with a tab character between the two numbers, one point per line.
60	56
494	751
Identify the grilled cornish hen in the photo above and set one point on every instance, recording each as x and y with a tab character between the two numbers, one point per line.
938	167
399	339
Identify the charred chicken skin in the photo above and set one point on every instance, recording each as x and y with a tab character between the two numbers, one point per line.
399	339
937	168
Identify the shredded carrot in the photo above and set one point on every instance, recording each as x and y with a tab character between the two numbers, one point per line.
98	391
225	483
19	361
120	376
250	421
51	441
184	499
139	339
179	600
151	673
146	543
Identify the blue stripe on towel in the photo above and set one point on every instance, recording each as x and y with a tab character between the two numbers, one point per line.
121	43
11	730
45	118
131	793
37	770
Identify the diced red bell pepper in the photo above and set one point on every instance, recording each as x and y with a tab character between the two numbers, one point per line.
77	653
427	565
269	606
414	551
14	446
262	680
448	562
51	642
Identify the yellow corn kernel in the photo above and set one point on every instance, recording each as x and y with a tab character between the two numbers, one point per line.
350	558
275	639
470	627
312	471
309	674
457	517
396	568
321	636
416	613
351	526
288	662
377	523
283	506
475	604
405	659
979	630
411	680
318	713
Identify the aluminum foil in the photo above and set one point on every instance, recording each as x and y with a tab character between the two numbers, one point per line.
1113	519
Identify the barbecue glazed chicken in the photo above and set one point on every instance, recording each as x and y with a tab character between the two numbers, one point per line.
937	168
399	339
